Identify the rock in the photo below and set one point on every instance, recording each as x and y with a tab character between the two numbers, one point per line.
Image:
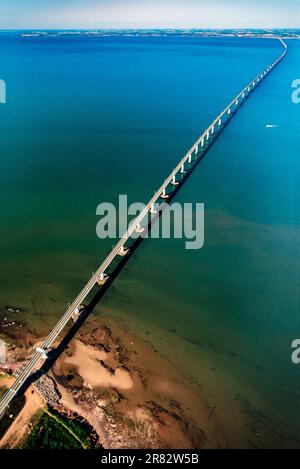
102	403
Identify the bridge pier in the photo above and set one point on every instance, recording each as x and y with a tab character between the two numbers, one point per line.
182	170
202	143
174	182
139	228
229	111
196	150
123	251
102	278
164	195
153	209
220	122
190	158
43	351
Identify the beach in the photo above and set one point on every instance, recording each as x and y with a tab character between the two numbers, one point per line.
124	389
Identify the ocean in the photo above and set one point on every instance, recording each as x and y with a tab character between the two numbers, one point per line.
89	118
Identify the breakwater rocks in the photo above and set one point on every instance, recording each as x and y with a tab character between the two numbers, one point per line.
47	388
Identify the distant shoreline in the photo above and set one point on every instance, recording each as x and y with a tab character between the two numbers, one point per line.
288	33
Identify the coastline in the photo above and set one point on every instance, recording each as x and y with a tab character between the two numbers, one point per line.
126	391
269	33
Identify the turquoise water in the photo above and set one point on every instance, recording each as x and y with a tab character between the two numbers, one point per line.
90	118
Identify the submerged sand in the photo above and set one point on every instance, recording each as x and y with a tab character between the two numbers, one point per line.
87	362
126	391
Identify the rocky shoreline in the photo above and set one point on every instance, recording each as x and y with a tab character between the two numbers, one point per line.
128	394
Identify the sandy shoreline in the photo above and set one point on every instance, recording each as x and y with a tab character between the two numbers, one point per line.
130	395
89	365
21	426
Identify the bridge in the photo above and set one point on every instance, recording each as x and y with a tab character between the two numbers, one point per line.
174	178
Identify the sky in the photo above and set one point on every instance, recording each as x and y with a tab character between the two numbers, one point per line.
92	14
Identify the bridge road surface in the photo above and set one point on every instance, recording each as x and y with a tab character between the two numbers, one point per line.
204	141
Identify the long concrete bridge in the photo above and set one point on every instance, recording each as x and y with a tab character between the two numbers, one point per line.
183	167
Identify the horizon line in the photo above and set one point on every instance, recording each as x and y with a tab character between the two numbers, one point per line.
185	28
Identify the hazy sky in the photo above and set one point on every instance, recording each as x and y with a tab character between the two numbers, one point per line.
148	13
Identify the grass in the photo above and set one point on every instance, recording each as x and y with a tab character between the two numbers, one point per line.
54	431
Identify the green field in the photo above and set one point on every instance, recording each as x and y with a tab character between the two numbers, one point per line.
55	431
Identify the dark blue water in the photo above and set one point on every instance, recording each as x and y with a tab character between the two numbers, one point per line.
90	118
